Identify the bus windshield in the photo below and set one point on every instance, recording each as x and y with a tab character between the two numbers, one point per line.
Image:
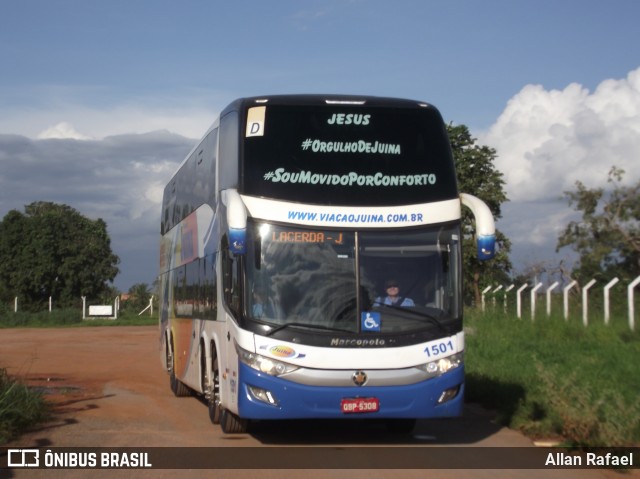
357	282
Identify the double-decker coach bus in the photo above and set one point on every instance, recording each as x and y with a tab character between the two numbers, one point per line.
310	263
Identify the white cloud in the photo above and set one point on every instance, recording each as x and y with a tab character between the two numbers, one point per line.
62	130
96	123
87	112
548	139
119	179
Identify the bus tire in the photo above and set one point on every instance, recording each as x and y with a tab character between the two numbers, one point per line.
214	395
178	387
232	424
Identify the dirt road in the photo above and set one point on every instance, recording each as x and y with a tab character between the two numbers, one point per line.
109	390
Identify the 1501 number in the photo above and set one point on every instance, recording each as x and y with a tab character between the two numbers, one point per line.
439	349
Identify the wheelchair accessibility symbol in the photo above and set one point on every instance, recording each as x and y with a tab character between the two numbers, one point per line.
370	321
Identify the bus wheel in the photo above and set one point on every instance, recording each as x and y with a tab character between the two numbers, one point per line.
232	424
168	358
214	393
178	387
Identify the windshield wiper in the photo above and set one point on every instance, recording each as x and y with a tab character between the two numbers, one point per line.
307	325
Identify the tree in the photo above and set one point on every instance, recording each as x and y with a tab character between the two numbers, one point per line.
477	175
53	251
607	238
139	296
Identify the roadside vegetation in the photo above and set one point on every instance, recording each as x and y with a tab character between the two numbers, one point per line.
552	378
20	407
71	317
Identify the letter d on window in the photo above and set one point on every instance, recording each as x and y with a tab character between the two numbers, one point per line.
255	121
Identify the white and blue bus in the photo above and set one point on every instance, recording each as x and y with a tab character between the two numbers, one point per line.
310	263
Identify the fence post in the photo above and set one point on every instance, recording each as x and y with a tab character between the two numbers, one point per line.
630	299
484	291
15	305
49	304
519	300
607	287
534	294
585	301
509	288
565	298
149	306
549	289
498	288
84	307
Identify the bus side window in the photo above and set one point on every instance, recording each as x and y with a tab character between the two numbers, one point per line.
208	286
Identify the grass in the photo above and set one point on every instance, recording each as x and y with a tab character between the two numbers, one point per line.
552	377
20	407
69	318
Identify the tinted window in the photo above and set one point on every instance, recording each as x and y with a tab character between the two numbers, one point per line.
347	155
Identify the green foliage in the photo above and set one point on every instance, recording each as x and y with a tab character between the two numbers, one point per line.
20	407
53	251
478	176
557	378
607	237
57	317
587	417
70	318
139	296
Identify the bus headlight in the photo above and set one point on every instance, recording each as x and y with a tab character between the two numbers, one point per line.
442	365
270	366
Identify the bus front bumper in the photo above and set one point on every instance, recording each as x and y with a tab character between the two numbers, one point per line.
261	396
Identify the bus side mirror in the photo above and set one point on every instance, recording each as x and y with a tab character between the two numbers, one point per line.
486	247
236	221
237	241
485	226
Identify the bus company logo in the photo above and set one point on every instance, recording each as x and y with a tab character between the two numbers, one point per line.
282	351
359	378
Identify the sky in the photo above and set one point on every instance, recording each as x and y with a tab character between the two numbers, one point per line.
101	100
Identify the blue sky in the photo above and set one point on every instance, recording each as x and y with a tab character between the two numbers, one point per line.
467	57
125	87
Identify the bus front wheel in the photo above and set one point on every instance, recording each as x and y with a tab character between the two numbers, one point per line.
178	387
232	424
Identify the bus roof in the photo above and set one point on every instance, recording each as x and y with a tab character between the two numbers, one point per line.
326	99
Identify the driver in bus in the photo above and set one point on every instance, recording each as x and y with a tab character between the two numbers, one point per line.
261	307
393	298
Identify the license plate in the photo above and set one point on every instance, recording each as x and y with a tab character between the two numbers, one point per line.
359	405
